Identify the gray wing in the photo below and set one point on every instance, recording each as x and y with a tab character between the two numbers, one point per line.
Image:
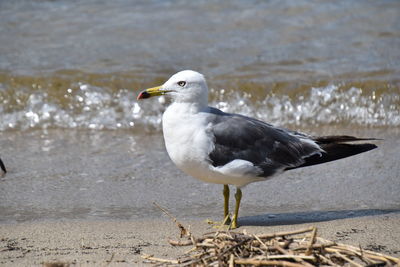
267	147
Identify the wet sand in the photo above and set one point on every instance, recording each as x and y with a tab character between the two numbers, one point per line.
97	207
123	243
93	175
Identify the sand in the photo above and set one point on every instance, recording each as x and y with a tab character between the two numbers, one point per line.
74	174
105	216
123	243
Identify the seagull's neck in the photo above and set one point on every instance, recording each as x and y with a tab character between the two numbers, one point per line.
187	107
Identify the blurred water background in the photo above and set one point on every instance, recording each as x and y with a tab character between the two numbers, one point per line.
77	143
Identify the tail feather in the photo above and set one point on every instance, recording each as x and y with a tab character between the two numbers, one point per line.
335	148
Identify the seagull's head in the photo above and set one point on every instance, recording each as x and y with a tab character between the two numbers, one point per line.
184	86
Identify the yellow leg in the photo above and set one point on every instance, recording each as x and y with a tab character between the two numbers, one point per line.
238	197
226	200
227	217
226	204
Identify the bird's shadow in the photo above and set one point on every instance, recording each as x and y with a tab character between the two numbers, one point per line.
308	217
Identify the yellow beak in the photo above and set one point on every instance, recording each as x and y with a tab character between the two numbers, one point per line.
155	91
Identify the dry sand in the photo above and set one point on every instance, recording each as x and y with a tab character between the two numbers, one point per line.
122	243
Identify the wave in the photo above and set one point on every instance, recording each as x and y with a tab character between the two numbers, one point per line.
92	104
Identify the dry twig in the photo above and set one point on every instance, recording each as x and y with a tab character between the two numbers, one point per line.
289	248
184	231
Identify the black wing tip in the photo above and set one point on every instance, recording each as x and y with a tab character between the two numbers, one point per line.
367	147
342	139
336	151
2	166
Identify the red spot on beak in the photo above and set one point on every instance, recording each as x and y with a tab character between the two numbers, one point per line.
143	95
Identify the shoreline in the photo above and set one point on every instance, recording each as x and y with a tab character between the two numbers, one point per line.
123	243
119	176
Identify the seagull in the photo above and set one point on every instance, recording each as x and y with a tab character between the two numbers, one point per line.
233	149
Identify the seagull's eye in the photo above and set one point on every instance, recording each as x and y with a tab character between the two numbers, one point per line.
182	83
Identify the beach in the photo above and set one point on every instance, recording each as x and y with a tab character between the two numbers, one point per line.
86	160
125	243
107	217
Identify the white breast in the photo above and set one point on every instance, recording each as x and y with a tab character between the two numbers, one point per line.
185	138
